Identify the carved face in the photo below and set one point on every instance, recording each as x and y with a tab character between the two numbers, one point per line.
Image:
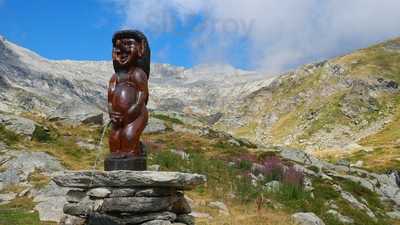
126	52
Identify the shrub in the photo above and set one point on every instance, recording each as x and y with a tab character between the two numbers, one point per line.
245	189
245	162
273	168
41	135
293	177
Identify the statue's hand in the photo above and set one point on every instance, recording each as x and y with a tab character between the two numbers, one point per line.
116	118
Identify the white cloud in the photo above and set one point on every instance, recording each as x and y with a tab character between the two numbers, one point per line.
280	34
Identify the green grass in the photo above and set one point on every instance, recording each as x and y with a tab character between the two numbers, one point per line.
359	192
19	212
8	137
18	217
38	180
329	114
167	118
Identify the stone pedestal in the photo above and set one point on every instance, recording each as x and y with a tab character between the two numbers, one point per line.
128	197
130	162
127	162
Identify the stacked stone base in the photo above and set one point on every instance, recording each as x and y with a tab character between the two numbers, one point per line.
127	197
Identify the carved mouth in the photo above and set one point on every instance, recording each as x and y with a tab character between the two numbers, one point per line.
123	58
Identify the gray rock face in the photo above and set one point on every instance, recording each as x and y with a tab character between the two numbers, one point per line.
6	198
50	201
355	203
394	215
154	126
340	217
20	164
307	219
18	125
87	179
76	112
52	209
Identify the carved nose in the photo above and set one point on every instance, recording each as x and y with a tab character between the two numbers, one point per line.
117	51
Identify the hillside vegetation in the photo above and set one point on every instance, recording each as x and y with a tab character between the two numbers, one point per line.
331	105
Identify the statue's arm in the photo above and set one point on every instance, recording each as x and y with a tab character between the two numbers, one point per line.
140	78
111	88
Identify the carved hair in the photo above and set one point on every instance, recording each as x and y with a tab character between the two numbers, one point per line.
144	61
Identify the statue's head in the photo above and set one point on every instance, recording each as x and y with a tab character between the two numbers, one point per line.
130	48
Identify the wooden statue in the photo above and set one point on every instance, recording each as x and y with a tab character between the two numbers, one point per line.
127	99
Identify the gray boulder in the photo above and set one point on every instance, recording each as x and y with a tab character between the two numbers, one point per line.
18	125
307	219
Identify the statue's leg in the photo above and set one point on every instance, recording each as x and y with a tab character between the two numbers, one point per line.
130	136
114	140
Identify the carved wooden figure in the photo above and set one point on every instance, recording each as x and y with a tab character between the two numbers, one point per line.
127	99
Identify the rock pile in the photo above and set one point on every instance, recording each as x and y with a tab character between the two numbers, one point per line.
127	197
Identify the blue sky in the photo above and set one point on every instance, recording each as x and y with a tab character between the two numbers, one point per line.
265	35
79	30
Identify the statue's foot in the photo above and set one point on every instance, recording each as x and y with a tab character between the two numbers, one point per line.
120	155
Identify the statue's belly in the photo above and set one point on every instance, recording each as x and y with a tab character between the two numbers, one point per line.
124	97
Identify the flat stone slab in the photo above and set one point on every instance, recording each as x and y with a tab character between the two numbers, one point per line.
138	204
129	179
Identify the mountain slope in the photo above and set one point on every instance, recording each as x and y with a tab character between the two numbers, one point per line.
330	104
336	104
30	82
